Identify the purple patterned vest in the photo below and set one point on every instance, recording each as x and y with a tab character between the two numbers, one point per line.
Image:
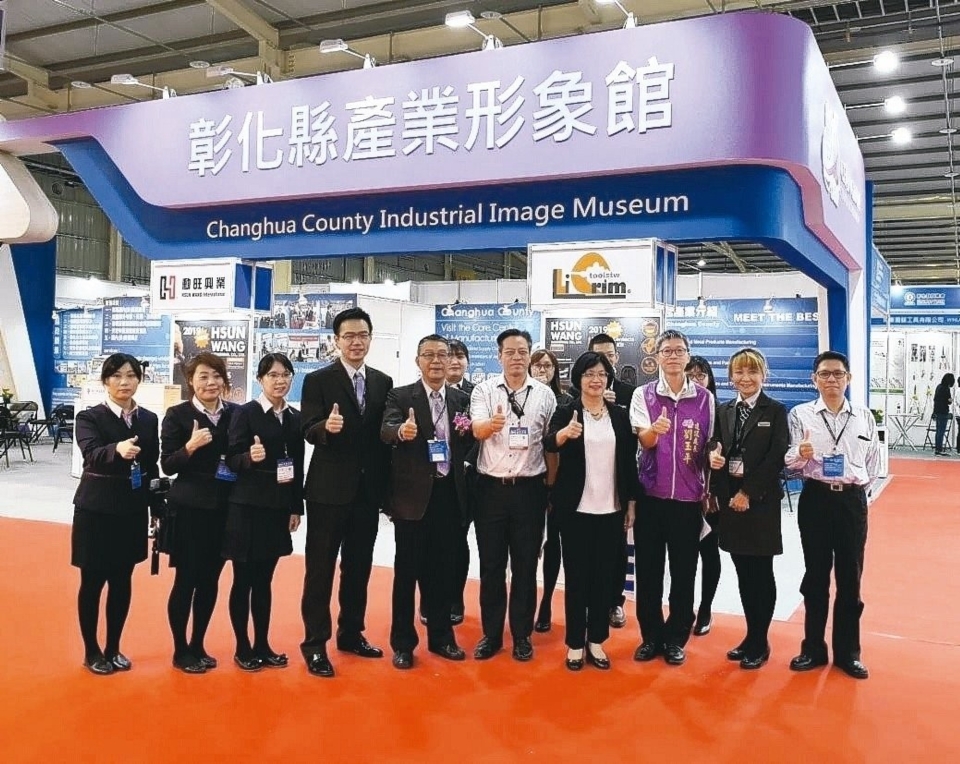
673	469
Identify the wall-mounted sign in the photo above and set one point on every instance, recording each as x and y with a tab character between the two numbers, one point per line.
879	284
205	285
925	299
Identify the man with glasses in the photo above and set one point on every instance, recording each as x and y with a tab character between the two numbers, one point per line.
342	410
836	447
674	420
427	500
510	413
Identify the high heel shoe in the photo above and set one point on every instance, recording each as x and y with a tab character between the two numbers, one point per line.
597	657
575	659
251	663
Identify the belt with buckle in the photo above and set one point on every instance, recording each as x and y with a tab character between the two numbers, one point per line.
513	479
838	487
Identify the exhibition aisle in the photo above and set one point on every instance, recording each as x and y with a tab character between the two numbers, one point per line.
500	710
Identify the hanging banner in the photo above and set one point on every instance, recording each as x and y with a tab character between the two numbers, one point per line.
635	336
478	325
226	337
130	327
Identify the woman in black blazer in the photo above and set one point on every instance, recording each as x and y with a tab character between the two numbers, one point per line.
266	451
594	500
754	436
120	446
194	448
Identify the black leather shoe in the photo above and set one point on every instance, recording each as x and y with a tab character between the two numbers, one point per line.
274	660
522	649
248	664
189	664
702	627
855	669
618	618
207	661
601	663
804	662
736	654
486	648
403	659
456	615
575	664
646	652
319	664
542	625
359	647
754	662
120	662
99	665
674	655
450	651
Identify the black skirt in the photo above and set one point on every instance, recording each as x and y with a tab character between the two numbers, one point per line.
256	533
102	541
197	537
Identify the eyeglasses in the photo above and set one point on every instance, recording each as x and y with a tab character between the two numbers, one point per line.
700	376
351	336
435	356
275	376
672	352
595	375
542	366
837	374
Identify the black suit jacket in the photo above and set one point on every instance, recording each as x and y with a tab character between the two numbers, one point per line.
196	484
571	477
763	444
624	393
105	483
411	472
256	483
341	461
466	386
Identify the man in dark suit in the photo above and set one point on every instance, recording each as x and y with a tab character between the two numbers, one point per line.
342	409
427	500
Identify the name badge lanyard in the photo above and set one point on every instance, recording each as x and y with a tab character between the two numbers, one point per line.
836	436
438	451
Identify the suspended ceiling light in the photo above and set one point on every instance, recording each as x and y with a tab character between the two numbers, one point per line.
901	136
340	46
80	85
631	21
894	105
260	78
129	79
466	20
701	263
942	63
886	61
768	306
199	64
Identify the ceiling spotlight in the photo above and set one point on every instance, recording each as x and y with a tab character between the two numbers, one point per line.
942	63
199	64
80	85
951	174
886	61
466	20
631	21
129	79
947	130
768	306
901	136
340	46
701	262
895	105
260	78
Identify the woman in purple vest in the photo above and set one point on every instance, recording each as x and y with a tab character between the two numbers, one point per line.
673	418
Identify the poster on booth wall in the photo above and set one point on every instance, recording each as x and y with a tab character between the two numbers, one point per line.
478	325
77	348
785	330
225	337
635	336
129	327
928	356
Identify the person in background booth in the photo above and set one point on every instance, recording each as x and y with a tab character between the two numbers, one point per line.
594	501
942	398
753	434
193	446
698	369
120	446
265	450
457	368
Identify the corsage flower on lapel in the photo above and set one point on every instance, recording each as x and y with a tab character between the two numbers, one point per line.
462	422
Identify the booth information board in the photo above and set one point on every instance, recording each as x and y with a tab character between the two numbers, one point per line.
228	338
477	327
129	327
77	341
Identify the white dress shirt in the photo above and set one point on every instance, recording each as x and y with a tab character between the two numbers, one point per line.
851	432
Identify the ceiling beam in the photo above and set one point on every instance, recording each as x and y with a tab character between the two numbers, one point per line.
725	249
248	20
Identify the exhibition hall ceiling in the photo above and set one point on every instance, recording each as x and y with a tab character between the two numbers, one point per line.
61	55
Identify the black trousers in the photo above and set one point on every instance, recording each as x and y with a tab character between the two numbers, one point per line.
619	580
664	525
833	533
351	531
462	566
591	545
758	595
426	553
552	555
509	522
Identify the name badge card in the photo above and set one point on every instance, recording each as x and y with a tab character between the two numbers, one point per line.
736	467
285	471
519	438
833	466
224	472
136	476
438	451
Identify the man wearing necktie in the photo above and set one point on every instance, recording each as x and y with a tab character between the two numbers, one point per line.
342	408
427	500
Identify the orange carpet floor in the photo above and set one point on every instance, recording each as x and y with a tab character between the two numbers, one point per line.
51	709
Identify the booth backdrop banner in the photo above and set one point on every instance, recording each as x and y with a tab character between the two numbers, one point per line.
635	337
130	327
784	330
77	344
225	337
478	325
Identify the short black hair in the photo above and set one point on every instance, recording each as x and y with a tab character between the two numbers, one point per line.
115	362
432	338
586	362
206	358
948	379
458	348
699	362
671	334
601	339
831	355
266	363
508	333
351	314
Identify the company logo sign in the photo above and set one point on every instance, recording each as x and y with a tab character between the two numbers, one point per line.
590	277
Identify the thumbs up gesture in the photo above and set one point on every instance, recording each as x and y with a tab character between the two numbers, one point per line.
408	430
257	452
716	458
335	420
498	420
198	437
661	425
805	447
575	429
128	449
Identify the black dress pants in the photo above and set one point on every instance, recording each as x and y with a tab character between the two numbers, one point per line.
426	553
351	531
758	595
619	579
833	533
665	525
509	522
462	567
591	545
